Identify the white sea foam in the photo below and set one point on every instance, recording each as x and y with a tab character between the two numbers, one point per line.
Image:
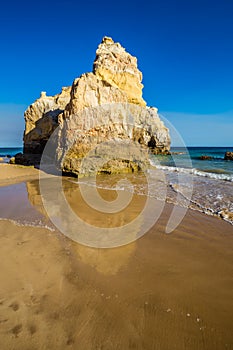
193	171
29	224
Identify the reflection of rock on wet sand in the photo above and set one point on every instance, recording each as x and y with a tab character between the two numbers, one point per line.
95	228
105	261
98	218
34	196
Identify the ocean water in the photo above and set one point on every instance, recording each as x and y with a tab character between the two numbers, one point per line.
189	158
204	185
7	152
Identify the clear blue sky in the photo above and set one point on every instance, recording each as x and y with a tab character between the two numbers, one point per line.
184	49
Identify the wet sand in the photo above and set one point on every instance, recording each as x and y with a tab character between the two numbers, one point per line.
162	292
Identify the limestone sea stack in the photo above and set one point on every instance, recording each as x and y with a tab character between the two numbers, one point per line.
104	107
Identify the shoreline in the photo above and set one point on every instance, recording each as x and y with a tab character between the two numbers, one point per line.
11	174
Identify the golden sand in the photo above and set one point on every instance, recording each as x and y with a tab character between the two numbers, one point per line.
12	173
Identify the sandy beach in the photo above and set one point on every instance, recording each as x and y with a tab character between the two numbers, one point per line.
162	292
10	174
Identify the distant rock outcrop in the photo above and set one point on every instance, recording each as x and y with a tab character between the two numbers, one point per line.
101	106
204	157
228	156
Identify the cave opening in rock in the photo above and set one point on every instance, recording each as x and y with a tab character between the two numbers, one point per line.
152	143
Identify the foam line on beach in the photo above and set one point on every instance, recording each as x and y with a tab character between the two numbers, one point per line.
194	171
18	223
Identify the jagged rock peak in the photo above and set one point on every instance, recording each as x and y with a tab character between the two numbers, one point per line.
119	69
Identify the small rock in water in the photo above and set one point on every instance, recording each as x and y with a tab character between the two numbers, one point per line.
228	156
204	157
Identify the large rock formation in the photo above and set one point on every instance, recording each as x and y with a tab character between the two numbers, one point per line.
111	137
102	107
